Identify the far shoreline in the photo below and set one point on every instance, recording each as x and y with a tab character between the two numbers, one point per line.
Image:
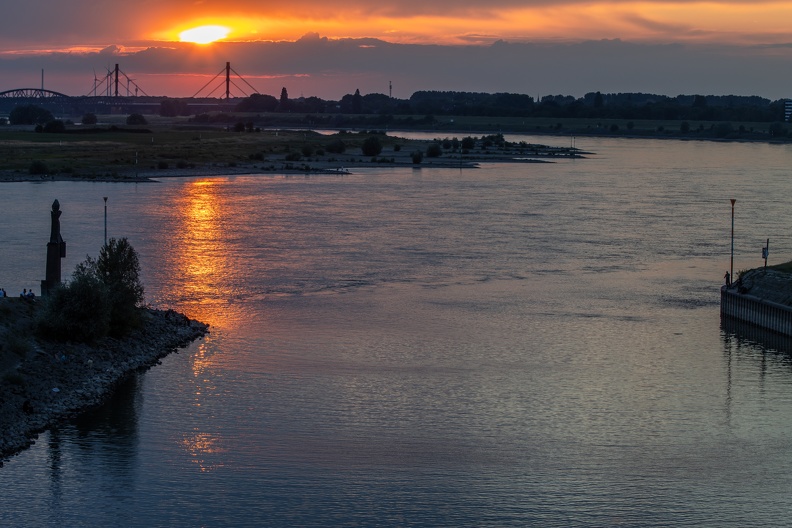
168	150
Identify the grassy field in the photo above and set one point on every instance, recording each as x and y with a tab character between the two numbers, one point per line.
168	146
120	151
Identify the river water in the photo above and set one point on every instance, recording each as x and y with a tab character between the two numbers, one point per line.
518	345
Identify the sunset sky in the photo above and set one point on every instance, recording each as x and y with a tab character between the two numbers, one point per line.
329	49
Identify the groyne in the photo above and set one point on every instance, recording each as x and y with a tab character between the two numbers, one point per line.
63	380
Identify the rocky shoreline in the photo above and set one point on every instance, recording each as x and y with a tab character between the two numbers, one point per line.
57	382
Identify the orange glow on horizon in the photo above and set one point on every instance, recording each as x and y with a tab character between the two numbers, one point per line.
639	21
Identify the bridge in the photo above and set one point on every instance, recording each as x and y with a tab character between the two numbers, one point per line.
30	93
115	102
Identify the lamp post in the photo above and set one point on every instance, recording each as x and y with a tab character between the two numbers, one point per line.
731	269
105	223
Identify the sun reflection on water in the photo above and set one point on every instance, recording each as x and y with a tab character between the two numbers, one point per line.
204	273
202	447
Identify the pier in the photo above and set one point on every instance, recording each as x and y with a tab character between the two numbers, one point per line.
760	312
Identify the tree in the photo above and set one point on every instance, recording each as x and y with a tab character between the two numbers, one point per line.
118	268
258	103
357	103
434	150
29	115
89	119
336	146
173	108
136	119
371	146
284	105
56	126
77	311
468	143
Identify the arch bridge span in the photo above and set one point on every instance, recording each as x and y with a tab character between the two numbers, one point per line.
30	93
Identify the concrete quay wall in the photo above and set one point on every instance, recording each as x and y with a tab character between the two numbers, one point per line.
760	312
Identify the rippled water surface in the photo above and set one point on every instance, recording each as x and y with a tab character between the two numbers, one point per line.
510	346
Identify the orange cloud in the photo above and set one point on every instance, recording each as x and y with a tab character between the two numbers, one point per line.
456	23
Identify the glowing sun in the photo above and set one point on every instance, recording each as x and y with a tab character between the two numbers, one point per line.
204	34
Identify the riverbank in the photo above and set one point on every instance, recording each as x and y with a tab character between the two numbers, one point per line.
169	151
43	383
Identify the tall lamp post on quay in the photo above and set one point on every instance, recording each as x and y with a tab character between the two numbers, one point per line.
105	223
731	269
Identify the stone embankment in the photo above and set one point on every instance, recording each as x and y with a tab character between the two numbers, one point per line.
59	381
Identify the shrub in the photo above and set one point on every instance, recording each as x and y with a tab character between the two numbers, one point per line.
307	151
29	115
56	126
468	143
78	311
89	119
371	146
293	156
38	167
336	147
162	165
136	119
434	150
417	157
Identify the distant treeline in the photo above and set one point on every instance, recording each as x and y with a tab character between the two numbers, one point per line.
595	105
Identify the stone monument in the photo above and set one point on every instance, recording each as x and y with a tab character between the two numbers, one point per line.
56	250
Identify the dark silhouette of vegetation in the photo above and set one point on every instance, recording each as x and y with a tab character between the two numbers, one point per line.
118	268
173	108
89	119
136	119
102	298
284	104
594	105
336	146
29	115
434	150
371	146
77	311
258	103
357	103
38	168
56	126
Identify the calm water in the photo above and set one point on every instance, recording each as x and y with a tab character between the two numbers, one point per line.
512	346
